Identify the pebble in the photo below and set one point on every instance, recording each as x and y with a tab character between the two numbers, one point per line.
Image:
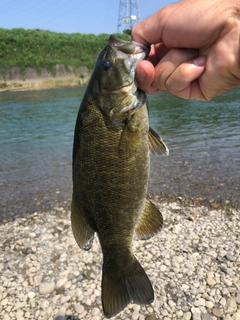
209	304
179	313
19	305
227	317
44	304
163	268
79	308
46	288
19	315
31	295
227	282
236	316
206	316
95	311
135	315
199	302
43	271
230	256
223	302
211	281
217	312
196	313
64	299
187	315
61	282
237	299
4	302
82	315
231	305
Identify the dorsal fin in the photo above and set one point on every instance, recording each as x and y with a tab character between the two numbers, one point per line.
156	144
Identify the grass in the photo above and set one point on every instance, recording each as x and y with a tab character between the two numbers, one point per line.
41	49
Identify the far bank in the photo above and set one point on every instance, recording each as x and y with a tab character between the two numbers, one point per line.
65	76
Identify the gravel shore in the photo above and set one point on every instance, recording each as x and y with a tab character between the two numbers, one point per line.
194	265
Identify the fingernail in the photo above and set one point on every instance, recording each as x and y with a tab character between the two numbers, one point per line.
199	61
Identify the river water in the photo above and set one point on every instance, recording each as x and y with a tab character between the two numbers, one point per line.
36	134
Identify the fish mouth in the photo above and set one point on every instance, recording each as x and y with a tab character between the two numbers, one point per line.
131	53
132	49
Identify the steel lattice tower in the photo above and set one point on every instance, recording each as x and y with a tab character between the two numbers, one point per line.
128	14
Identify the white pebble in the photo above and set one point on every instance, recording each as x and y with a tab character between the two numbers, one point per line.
46	287
95	311
78	308
31	295
209	304
44	304
211	281
82	315
19	305
61	282
4	302
236	316
135	315
64	299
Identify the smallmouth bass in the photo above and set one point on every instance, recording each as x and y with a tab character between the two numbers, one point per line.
111	164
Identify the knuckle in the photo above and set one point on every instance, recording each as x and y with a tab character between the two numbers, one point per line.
170	85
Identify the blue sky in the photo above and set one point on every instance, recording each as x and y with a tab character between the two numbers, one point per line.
84	16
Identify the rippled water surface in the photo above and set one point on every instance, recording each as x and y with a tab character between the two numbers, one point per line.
36	134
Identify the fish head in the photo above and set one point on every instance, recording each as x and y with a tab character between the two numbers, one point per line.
114	77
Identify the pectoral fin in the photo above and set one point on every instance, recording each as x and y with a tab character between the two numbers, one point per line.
82	231
156	144
150	223
129	140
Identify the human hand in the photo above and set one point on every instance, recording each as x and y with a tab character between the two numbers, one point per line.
194	49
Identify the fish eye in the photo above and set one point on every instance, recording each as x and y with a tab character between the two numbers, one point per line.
106	65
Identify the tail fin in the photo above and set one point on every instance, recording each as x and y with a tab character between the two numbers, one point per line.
120	289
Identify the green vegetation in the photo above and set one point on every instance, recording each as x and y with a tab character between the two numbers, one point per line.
45	49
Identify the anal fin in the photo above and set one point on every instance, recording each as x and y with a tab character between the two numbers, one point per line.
82	231
150	223
156	144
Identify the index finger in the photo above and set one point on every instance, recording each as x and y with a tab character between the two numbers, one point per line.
149	31
182	25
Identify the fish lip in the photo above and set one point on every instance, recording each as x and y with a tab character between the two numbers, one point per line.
117	42
130	48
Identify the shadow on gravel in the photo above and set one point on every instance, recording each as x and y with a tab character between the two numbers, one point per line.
70	317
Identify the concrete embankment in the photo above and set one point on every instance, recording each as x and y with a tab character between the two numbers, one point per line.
15	79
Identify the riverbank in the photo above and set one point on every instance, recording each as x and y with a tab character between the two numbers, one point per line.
41	84
15	80
193	264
